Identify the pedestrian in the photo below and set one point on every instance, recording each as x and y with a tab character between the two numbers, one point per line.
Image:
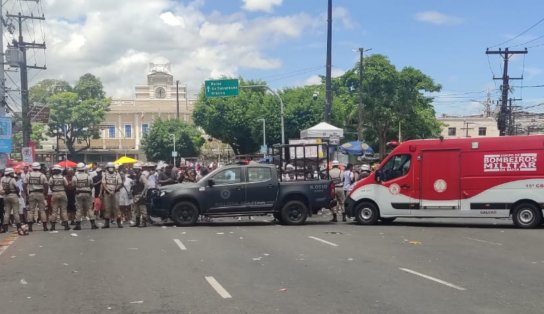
139	190
84	199
365	171
347	180
71	195
165	176
111	184
59	200
336	175
97	188
11	199
37	186
125	198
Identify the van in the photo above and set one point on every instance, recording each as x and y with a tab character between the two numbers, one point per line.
495	177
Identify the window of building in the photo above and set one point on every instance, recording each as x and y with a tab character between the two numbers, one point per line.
482	131
128	130
111	131
452	131
145	128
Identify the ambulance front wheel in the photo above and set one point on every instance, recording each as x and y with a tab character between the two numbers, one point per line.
527	215
367	213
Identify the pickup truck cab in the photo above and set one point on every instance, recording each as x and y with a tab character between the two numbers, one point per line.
241	190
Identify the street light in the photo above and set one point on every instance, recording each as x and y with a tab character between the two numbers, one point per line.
264	135
281	107
174	153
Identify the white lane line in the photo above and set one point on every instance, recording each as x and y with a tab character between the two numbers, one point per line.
218	287
323	241
485	241
181	246
433	279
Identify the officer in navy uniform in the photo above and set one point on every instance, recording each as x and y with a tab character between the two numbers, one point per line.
139	190
36	185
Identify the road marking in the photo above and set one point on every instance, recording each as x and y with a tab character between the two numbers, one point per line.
324	241
485	241
4	245
433	279
181	246
218	287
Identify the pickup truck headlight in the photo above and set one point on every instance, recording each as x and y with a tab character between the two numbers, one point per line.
163	193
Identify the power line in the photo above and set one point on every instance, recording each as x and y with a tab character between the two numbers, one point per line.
518	35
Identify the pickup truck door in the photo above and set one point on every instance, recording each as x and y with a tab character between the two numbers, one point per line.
228	191
261	189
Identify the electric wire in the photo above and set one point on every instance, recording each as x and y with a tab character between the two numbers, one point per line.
518	35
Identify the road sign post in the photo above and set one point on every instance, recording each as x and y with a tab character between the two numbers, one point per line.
222	88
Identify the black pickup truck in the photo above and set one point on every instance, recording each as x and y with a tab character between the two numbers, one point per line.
241	190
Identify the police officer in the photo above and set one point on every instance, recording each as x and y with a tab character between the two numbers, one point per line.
139	190
111	184
84	200
11	199
36	185
59	201
336	175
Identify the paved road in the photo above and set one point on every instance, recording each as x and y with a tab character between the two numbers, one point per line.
411	266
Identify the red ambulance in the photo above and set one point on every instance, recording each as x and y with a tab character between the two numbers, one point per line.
497	177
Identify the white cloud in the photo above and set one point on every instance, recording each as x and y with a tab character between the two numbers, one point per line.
437	18
261	5
116	40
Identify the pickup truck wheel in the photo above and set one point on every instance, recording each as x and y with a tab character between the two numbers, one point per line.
367	213
294	213
185	214
527	215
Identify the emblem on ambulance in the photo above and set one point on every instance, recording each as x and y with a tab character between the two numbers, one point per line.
440	185
394	189
225	194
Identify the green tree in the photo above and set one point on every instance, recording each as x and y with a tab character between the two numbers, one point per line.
158	143
234	120
46	88
89	87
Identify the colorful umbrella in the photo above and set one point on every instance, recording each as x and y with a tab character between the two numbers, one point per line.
356	148
126	160
67	164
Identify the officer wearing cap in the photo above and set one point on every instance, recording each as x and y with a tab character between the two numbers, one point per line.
11	199
336	175
59	200
36	185
84	200
111	184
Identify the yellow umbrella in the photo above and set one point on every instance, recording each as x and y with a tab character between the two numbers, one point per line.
125	160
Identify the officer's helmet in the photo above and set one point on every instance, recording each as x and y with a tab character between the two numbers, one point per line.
80	166
36	166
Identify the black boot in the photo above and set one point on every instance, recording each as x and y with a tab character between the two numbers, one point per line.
106	223
53	226
4	229
144	222
119	224
66	226
137	224
93	225
45	226
19	231
344	217
333	218
30	227
78	225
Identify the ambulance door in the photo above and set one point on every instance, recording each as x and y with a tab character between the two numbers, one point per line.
439	180
397	176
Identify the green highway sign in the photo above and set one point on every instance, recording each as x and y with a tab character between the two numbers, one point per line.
221	88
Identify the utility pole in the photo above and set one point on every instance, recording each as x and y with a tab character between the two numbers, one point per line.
503	115
361	106
328	88
3	104
177	99
23	46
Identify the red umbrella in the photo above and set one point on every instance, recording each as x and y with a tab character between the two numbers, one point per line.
67	164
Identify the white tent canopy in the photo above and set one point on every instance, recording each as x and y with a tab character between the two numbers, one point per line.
322	130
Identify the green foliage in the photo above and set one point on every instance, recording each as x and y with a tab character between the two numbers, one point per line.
89	87
46	88
234	120
158	143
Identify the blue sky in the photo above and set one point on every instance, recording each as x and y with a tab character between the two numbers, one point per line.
284	42
445	39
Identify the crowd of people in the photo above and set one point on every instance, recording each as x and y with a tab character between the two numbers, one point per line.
48	196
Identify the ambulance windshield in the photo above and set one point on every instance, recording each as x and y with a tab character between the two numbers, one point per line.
397	166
